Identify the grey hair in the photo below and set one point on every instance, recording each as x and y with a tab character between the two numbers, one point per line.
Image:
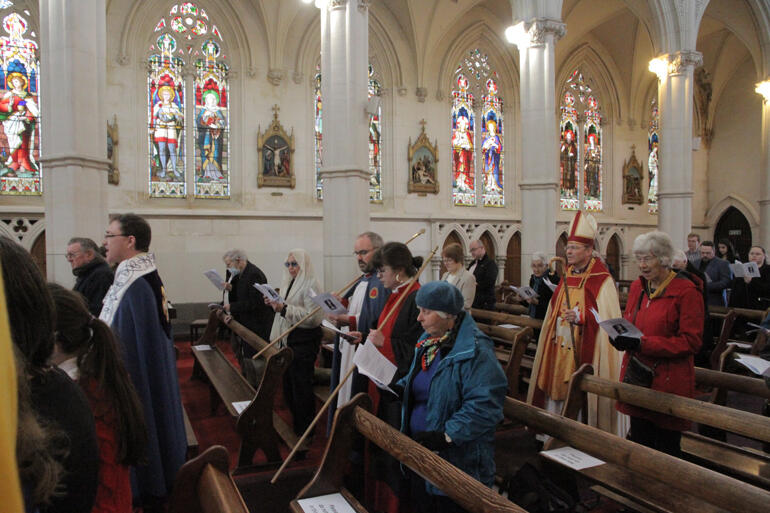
374	238
657	243
679	256
236	254
539	256
86	244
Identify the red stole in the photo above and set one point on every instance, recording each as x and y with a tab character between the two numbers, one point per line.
387	328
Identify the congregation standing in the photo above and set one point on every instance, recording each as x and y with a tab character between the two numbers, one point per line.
97	364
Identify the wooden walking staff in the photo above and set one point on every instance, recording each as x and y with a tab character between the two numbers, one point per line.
563	264
315	310
334	393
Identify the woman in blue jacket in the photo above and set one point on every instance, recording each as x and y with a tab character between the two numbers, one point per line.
453	393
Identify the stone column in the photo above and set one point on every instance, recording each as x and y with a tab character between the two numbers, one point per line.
345	170
675	98
539	141
74	129
764	173
500	261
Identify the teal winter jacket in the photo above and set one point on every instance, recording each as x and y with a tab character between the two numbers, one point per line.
465	401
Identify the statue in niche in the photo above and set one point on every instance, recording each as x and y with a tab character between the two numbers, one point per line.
633	174
423	159
276	155
113	174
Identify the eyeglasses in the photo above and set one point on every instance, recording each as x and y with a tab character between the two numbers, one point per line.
645	259
362	252
71	256
291	264
111	235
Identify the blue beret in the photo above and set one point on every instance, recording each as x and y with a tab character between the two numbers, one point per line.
440	296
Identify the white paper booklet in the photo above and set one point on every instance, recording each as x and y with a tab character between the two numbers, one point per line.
572	458
750	269
755	364
326	324
616	327
332	503
373	364
269	292
329	303
240	406
526	292
215	278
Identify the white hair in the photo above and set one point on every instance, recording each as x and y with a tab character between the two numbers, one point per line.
539	256
236	254
679	256
656	243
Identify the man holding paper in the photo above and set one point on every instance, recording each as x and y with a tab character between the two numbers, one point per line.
246	304
571	336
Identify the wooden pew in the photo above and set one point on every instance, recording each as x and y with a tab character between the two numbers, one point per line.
355	417
515	309
646	477
735	461
204	485
258	426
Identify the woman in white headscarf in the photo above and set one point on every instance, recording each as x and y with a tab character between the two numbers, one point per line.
305	340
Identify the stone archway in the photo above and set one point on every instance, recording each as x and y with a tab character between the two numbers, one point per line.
513	260
613	256
561	246
452	238
734	226
38	252
489	244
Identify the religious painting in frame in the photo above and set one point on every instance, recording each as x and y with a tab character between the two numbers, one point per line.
423	160
633	177
276	155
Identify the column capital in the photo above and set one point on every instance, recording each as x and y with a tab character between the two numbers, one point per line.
534	33
682	61
337	4
363	5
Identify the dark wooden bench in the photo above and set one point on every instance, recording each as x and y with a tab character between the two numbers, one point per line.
515	309
204	485
195	327
257	424
355	417
640	476
192	440
735	461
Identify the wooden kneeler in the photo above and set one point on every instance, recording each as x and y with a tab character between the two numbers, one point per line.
354	417
204	485
257	425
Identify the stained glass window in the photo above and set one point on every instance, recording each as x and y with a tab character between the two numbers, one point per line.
212	125
492	147
187	40
318	131
375	138
19	107
475	74
653	143
463	153
576	152
375	143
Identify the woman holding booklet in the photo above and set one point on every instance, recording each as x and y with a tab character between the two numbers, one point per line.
748	292
667	307
296	302
453	393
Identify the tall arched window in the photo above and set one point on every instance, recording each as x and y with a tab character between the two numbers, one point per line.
580	147
19	103
187	40
375	138
653	143
475	74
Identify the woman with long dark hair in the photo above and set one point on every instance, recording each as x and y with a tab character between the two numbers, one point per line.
86	349
57	401
726	250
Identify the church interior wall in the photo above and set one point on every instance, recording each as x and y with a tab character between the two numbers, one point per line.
273	51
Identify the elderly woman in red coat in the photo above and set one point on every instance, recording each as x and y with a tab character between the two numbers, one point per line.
667	307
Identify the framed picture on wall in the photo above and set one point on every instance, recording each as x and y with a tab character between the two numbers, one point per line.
423	164
276	156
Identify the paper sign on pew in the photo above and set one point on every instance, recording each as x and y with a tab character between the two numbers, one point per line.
269	292
755	364
240	406
572	458
616	327
525	292
332	503
375	366
750	269
215	278
329	303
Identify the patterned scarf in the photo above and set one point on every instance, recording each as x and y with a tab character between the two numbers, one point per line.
431	345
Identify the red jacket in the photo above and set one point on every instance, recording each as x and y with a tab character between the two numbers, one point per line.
672	324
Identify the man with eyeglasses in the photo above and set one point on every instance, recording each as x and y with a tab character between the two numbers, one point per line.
93	275
135	308
484	269
571	335
247	306
365	301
